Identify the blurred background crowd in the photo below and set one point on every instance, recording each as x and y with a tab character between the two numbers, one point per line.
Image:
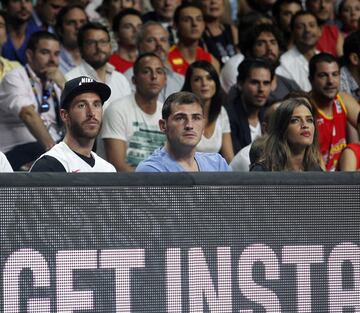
246	59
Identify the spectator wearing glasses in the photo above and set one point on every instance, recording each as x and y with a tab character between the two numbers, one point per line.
29	97
95	49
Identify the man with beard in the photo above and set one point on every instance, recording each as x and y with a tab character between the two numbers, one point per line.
29	97
246	111
20	28
131	131
282	12
294	64
264	42
68	22
81	112
334	109
95	50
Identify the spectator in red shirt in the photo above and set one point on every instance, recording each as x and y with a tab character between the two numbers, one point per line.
334	109
189	22
331	40
126	26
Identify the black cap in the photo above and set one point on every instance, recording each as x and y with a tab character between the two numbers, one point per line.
79	85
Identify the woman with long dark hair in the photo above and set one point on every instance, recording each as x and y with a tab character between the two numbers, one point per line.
202	79
292	142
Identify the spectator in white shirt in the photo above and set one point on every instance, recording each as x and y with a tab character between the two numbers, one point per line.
29	102
130	129
95	49
294	64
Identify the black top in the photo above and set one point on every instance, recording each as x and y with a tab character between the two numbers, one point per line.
50	164
47	164
222	46
239	124
258	167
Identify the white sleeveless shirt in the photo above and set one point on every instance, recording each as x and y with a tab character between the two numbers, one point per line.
74	164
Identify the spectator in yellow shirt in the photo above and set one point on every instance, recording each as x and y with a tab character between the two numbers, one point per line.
5	64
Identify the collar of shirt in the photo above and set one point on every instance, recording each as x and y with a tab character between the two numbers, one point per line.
33	74
66	57
38	84
297	53
92	72
40	24
36	18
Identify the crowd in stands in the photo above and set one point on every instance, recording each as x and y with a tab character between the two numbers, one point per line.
171	85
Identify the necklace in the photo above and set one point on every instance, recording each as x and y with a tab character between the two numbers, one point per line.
43	101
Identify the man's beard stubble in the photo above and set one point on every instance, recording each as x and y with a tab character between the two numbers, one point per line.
78	132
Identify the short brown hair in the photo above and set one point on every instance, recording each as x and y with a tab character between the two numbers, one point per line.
181	97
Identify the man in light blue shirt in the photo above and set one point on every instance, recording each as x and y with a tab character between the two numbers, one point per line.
183	124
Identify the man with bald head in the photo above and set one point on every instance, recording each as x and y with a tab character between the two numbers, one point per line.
164	13
130	131
154	38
